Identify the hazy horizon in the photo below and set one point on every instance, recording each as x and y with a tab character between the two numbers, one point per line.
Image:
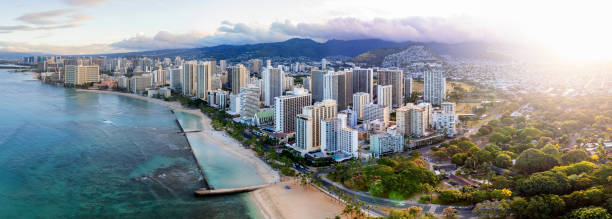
73	27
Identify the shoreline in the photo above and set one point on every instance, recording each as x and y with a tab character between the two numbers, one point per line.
274	201
297	202
219	138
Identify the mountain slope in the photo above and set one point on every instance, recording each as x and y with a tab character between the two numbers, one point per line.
375	57
290	48
480	51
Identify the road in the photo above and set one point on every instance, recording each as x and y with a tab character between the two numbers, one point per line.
463	212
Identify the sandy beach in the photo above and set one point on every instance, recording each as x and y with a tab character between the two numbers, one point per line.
297	202
234	147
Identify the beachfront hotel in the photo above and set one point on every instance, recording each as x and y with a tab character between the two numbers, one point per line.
139	84
303	134
319	111
204	73
79	75
288	107
249	101
189	75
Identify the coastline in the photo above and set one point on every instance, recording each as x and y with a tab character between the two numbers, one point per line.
268	175
274	201
297	202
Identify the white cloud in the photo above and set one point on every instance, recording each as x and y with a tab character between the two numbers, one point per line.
47	20
59	50
45	17
85	2
443	30
421	29
10	29
162	40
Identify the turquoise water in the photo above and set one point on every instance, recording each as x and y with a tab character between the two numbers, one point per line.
69	154
189	122
222	169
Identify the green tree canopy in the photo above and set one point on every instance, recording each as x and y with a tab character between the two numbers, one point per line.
541	206
533	160
459	159
583	198
551	149
387	161
574	156
501	182
589	213
503	161
499	138
576	168
450	196
548	182
466	145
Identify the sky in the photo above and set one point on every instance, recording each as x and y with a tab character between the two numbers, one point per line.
574	29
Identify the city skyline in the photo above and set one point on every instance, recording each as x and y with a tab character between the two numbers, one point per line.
73	27
305	109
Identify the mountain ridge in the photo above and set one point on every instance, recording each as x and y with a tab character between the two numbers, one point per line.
303	47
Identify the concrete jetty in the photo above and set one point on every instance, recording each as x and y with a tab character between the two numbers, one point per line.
189	131
213	192
205	181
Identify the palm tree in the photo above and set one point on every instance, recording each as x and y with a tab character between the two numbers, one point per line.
348	210
341	195
368	208
332	189
360	205
303	181
309	176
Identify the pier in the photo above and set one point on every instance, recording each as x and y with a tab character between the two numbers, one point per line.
189	131
213	192
205	181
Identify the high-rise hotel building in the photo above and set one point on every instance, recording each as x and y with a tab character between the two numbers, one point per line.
317	83
240	77
360	99
435	87
363	81
336	137
249	101
78	75
303	133
273	79
384	95
320	111
189	78
204	74
395	78
288	107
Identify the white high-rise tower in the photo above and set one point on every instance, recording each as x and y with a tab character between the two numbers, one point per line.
435	87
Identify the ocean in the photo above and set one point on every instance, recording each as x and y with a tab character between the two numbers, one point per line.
70	154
